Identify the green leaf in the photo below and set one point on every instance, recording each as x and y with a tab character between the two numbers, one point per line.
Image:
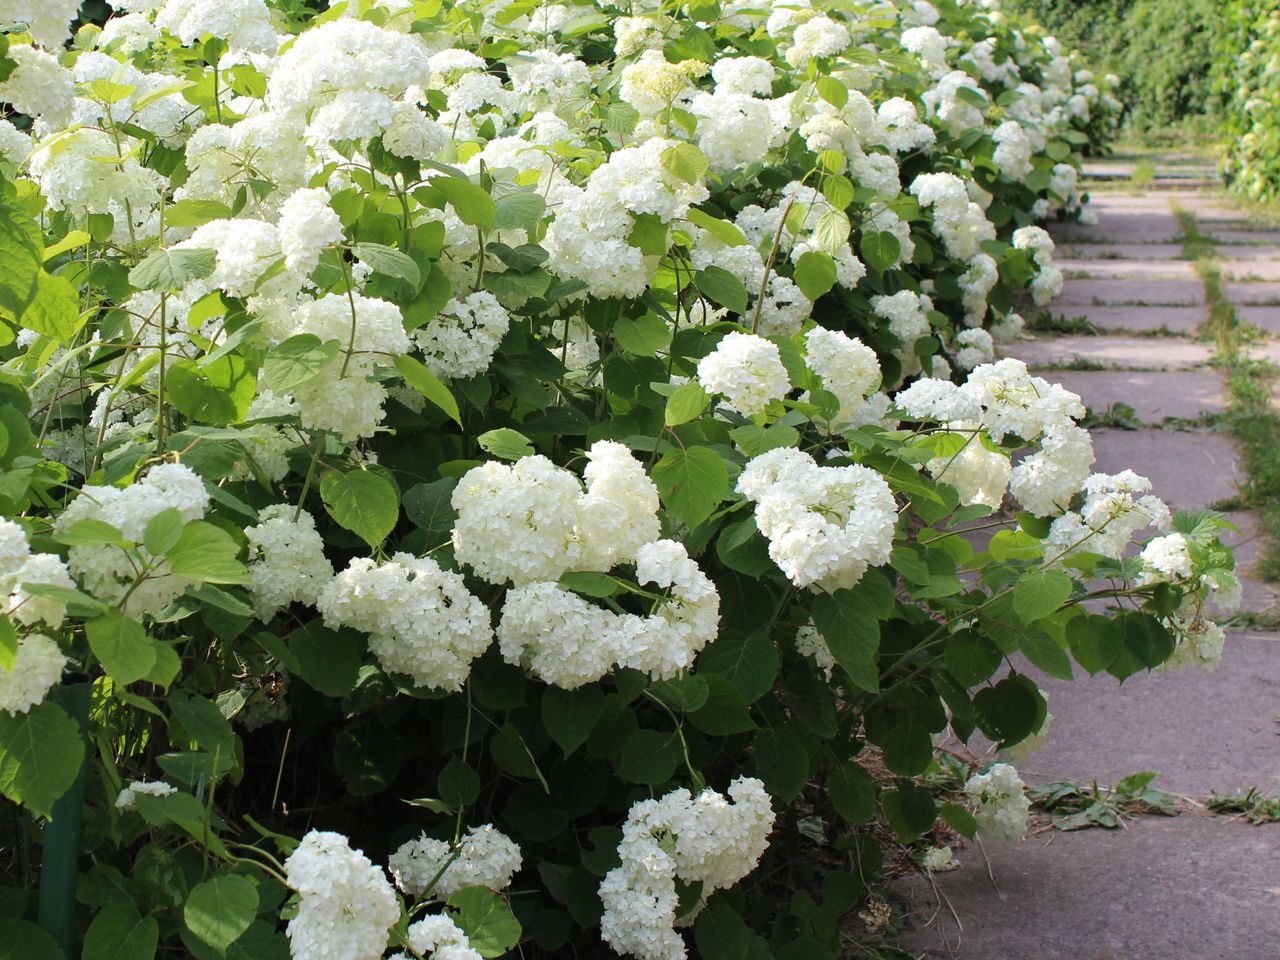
119	932
327	660
390	261
571	715
458	784
720	286
847	621
589	584
472	205
40	755
725	711
685	404
428	384
122	645
691	483
297	360
20	940
720	933
643	336
832	90
1095	642
219	910
364	502
172	269
959	819
1039	593
54	308
749	661
908	748
782	761
880	250
971	657
88	532
8	644
518	210
428	505
815	273
486	920
1044	652
202	720
649	235
650	757
724	231
852	793
686	162
207	553
910	809
193	213
219	391
163	531
1008	711
831	233
505	443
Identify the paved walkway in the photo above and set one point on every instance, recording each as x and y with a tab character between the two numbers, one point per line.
1196	886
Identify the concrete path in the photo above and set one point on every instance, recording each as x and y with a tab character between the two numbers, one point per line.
1195	886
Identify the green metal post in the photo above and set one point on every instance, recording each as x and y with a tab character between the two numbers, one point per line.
61	846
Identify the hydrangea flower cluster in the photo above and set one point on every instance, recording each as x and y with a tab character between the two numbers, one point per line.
708	839
1000	803
483	857
825	525
346	906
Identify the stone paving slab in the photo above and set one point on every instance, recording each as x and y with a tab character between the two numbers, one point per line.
1153	395
1188	470
1268	318
1178	724
1122	227
1226	238
1150	269
1132	292
1265	293
1180	888
1247	252
1257	596
1121	251
1185	320
1149	353
1250	270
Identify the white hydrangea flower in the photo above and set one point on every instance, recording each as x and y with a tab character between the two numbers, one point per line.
1000	801
707	839
37	667
1115	508
848	367
1166	559
460	341
939	860
980	475
753	76
346	906
421	620
825	525
38	86
47	21
307	225
486	857
286	560
1197	641
812	644
440	937
747	371
1013	151
973	348
126	799
244	24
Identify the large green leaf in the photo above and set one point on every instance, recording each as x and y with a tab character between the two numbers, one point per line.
472	205
720	932
571	715
297	360
207	553
428	384
691	483
486	920
815	273
219	910
364	502
1039	593
40	755
390	261
847	621
21	940
852	792
172	269
217	392
650	757
124	648
119	932
880	250
720	286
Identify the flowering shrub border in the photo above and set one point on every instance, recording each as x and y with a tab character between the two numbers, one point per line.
499	468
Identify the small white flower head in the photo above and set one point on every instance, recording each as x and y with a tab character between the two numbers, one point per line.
37	666
460	341
421	620
286	560
439	937
346	905
307	225
486	857
126	799
939	860
1166	559
747	371
848	367
1001	805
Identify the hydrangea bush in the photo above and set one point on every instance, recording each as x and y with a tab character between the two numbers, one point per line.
1245	75
536	478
